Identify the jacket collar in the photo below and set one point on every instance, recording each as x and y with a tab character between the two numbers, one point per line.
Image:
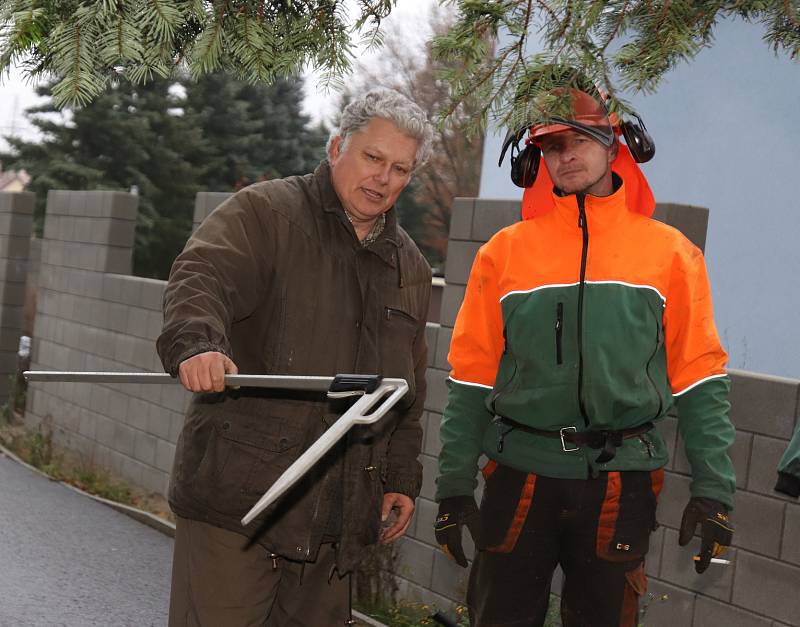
332	204
602	212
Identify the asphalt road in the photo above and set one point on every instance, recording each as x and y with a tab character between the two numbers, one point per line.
68	561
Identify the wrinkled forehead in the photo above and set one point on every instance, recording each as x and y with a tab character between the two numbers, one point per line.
383	138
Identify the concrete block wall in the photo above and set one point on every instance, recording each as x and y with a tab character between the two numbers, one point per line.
16	224
93	316
759	589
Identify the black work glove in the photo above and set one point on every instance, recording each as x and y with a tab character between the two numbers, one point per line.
454	512
716	529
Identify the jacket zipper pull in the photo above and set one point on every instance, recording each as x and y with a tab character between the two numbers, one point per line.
647	445
501	436
581	198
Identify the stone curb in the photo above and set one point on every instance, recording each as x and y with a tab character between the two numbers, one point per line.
151	520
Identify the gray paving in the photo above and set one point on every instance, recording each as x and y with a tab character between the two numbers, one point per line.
68	561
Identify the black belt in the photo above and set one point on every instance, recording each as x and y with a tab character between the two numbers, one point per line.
604	439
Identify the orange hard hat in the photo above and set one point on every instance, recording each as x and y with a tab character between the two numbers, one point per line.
588	116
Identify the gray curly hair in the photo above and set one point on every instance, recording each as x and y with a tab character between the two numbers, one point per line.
393	106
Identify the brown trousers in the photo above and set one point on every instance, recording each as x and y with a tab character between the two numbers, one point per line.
597	530
220	581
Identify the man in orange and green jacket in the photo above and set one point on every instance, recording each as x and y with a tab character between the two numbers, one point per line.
579	330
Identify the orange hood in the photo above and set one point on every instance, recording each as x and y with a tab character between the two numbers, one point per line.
538	199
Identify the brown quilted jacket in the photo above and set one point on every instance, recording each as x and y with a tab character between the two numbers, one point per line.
276	279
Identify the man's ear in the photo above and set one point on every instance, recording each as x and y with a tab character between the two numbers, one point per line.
613	151
335	148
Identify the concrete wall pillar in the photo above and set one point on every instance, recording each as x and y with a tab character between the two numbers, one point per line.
16	223
87	235
91	230
205	203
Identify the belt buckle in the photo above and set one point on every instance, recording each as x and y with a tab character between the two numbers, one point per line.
564	443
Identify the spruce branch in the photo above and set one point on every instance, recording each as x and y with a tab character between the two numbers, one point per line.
626	46
138	40
621	46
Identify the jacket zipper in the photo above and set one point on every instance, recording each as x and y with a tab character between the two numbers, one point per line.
496	394
584	251
559	331
647	372
501	436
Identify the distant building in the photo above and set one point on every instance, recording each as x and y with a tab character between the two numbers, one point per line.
13	180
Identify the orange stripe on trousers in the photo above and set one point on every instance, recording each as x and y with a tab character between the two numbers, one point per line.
609	512
657	481
489	468
521	513
635	587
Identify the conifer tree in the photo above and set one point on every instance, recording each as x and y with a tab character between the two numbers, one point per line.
221	135
623	45
255	131
128	139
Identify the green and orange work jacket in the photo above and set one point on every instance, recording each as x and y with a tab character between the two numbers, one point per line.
590	317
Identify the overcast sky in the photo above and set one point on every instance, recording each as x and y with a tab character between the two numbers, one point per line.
17	93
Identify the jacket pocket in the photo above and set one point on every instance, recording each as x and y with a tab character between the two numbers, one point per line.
628	515
399	330
630	541
241	463
395	313
559	330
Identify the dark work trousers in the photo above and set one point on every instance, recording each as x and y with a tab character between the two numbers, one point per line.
597	530
220	581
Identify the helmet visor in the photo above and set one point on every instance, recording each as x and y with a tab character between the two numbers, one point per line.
587	116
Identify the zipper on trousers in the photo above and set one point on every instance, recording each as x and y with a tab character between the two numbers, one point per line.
559	331
584	251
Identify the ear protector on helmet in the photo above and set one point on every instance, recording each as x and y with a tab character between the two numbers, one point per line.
525	162
639	141
525	165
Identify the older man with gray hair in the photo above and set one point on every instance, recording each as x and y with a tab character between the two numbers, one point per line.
307	275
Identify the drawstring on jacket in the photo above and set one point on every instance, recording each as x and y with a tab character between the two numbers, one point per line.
350	620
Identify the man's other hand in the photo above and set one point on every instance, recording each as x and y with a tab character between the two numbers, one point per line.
454	513
716	529
205	372
404	508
